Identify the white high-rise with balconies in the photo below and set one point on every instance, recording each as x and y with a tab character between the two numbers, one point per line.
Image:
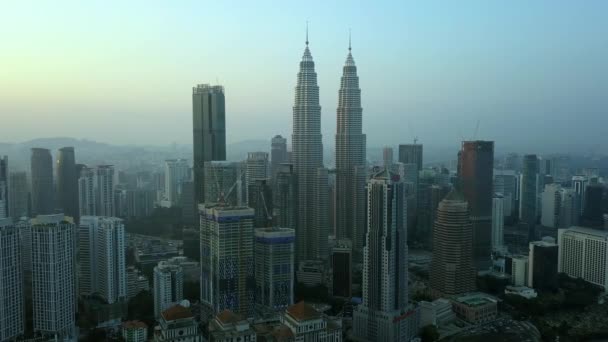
307	154
96	191
102	245
12	314
53	276
168	286
583	253
177	171
350	158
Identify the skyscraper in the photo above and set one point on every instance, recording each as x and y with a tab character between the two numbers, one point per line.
551	205
4	192
384	314
209	131
227	261
274	267
285	198
67	183
411	154
18	195
278	154
476	182
53	275
529	189
257	167
350	157
260	200
102	245
12	313
342	269
42	182
96	191
387	156
224	180
498	223
177	171
579	184
168	286
452	270
319	233
307	150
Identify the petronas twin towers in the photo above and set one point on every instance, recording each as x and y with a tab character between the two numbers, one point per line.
307	152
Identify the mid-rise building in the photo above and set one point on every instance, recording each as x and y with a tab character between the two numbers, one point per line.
476	182
18	195
342	269
177	324
12	311
102	259
209	132
274	267
136	282
438	312
228	326
475	308
227	260
96	191
583	253
53	276
385	314
542	265
308	324
67	183
177	172
42	182
452	270
168	286
134	331
519	270
551	205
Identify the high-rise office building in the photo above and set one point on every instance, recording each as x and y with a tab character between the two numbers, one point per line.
274	267
452	270
177	172
12	313
101	246
42	182
209	131
387	156
168	286
224	180
53	277
506	183
260	200
319	233
307	151
498	223
18	195
227	261
96	191
529	187
409	175
596	204
551	205
350	157
542	265
278	154
342	269
257	166
583	253
67	183
4	192
569	211
476	182
384	314
579	184
411	154
285	197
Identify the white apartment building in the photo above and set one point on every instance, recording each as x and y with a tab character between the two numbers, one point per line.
583	253
96	191
519	271
12	315
168	286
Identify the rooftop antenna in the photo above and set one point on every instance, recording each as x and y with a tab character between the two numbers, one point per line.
349	45
415	140
476	129
306	32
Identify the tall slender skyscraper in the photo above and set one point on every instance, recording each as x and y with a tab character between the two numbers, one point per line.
350	155
67	183
209	131
18	195
42	181
285	197
4	207
307	150
12	314
384	314
452	269
476	182
529	190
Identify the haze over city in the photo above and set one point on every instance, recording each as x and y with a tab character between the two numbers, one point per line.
121	73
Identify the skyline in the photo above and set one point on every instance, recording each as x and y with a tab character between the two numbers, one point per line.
436	69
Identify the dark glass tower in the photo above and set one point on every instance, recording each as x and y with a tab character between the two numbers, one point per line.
529	191
4	212
411	154
209	131
476	184
42	181
67	183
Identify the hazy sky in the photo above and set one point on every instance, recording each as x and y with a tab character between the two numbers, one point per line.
122	71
